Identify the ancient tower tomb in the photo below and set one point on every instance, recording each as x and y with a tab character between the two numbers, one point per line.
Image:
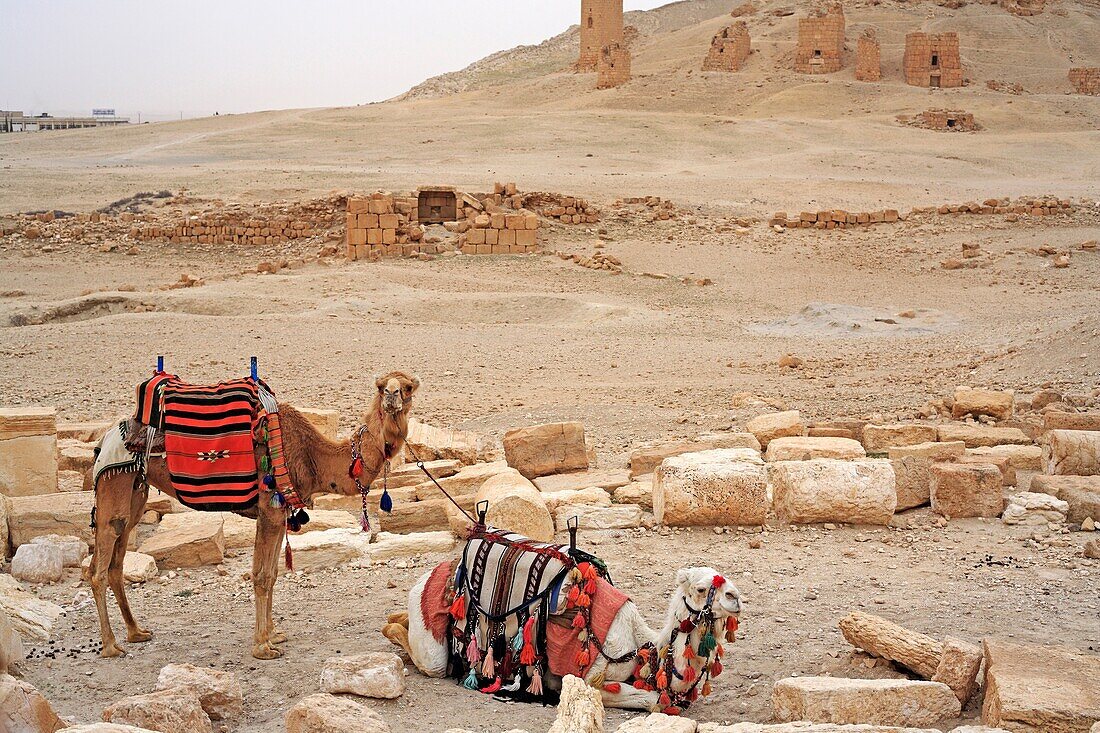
613	68
1085	79
946	120
868	64
601	25
932	60
820	42
729	49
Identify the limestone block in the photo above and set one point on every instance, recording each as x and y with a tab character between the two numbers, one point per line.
219	693
195	540
1081	493
887	640
958	668
602	478
322	713
623	516
828	490
23	709
994	403
1056	420
658	723
931	451
64	514
1008	472
86	432
541	450
28	465
73	455
1045	689
580	709
1020	457
431	443
798	448
713	487
327	422
966	490
979	436
584	497
878	438
467	482
807	727
410	474
38	563
328	548
105	728
5	510
389	546
912	481
12	653
517	506
137	567
22	422
30	616
73	549
773	425
1072	452
636	492
354	503
1034	509
322	519
167	711
645	460
881	702
371	674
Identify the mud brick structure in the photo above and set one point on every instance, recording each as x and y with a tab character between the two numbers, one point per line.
868	57
945	120
1023	8
502	233
613	68
1039	206
728	49
235	224
833	219
1085	79
566	209
601	25
932	60
820	42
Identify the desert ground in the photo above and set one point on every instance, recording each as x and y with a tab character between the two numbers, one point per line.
640	357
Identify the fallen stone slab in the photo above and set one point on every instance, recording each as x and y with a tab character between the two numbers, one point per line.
958	667
12	653
30	616
645	460
193	540
23	709
931	451
354	503
427	515
38	563
105	728
371	674
584	497
86	432
807	727
1002	464
966	490
1020	457
638	492
912	481
997	404
63	514
1072	452
1071	421
774	425
800	448
137	567
828	490
323	713
1045	689
711	488
411	474
978	436
879	438
328	549
1029	508
658	723
467	482
601	478
541	450
219	693
881	702
5	511
73	549
623	516
430	443
389	546
1081	493
167	711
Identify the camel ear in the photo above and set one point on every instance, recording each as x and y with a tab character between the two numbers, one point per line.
379	382
415	380
683	575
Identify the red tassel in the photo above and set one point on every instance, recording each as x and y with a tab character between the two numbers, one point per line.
686	626
639	684
662	679
578	621
288	557
584	600
689	674
458	607
643	654
527	655
732	623
689	653
582	658
574	594
590	587
613	687
664	700
715	668
718	581
497	684
355	470
671	711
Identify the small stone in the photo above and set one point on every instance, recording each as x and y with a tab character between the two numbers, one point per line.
219	693
371	674
322	713
38	563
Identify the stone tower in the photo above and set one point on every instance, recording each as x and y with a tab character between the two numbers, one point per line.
932	60
601	25
820	42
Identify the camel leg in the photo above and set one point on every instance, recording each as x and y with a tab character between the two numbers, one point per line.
134	632
401	617
269	537
106	535
275	635
399	635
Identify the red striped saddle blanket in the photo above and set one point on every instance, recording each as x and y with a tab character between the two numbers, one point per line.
208	438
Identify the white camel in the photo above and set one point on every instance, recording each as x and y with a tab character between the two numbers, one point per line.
628	632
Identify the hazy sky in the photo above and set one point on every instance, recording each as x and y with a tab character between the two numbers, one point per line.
200	56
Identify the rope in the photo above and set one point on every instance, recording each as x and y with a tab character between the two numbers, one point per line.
420	465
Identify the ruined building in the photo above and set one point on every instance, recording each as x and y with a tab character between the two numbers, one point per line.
868	63
932	60
1085	79
820	42
729	49
613	67
946	120
601	25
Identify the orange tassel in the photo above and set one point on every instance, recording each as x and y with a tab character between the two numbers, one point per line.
590	587
458	607
689	653
639	684
672	711
590	572
715	668
584	600
582	659
662	679
664	700
613	687
578	621
574	594
489	666
689	674
706	688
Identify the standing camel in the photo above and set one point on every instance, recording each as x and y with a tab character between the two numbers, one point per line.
316	465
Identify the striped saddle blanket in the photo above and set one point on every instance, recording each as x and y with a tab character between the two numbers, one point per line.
208	438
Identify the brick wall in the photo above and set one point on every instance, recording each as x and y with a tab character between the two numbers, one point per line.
820	43
1085	79
947	120
868	57
729	49
613	68
932	59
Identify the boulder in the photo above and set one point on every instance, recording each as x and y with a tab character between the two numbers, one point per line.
623	516
658	723
219	693
798	448
466	483
11	647
64	514
807	727
329	548
89	431
1046	689
1008	472
194	540
372	674
38	563
966	490
168	711
881	702
327	422
580	709
389	546
601	478
427	515
1034	509
30	616
774	425
958	667
432	444
879	438
105	728
583	497
354	503
636	492
930	451
73	549
912	481
1081	493
23	709
137	567
979	436
645	460
997	404
1057	420
828	490
517	506
541	450
714	487
1072	452
28	451
322	713
1020	457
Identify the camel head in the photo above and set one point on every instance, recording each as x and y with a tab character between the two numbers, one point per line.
694	587
395	392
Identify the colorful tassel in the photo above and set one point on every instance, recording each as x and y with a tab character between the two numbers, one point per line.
588	570
573	595
584	600
707	644
277	501
598	680
688	674
590	587
473	654
527	655
517	642
686	626
458	607
639	684
495	687
489	666
613	687
582	659
269	481
689	653
664	700
355	470
715	668
732	623
706	688
718	581
578	621
364	522
672	711
645	672
535	688
385	503
288	557
470	683
662	679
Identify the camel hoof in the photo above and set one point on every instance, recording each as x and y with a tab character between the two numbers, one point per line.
138	635
265	651
277	637
399	618
110	651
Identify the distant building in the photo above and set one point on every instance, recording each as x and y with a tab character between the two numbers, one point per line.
601	25
13	121
932	60
820	42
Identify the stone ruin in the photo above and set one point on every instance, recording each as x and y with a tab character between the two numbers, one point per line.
868	57
613	68
1085	79
1023	8
932	60
601	25
943	120
729	49
820	42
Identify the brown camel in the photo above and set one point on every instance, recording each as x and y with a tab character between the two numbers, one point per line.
316	465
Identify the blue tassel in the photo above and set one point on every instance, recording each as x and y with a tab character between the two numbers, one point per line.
470	683
269	481
277	501
385	503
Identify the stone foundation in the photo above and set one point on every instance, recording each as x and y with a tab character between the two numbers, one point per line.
943	120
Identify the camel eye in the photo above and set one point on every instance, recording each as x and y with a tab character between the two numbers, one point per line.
700	590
